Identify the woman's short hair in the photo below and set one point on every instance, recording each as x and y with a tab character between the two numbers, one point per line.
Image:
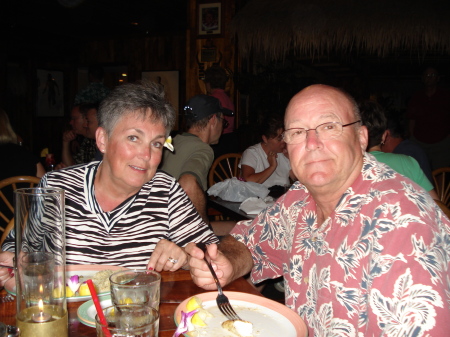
7	134
374	118
142	98
271	124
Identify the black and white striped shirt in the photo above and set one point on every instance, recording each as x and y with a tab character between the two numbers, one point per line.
128	234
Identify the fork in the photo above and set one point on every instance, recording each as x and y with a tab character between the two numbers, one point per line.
222	301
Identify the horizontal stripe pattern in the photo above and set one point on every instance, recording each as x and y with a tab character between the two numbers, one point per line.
127	235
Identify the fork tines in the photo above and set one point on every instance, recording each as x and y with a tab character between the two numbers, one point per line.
225	307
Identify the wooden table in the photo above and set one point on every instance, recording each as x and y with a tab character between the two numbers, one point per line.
229	208
175	288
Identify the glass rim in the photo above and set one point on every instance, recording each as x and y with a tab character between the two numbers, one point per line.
154	316
47	257
136	271
39	191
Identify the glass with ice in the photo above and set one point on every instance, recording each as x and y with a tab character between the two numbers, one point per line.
136	320
136	287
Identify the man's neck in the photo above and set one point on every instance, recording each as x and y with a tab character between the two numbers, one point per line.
431	90
202	134
391	144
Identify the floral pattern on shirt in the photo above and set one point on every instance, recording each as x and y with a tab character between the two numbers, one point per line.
378	266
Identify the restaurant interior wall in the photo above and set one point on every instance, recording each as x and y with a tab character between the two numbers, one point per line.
25	53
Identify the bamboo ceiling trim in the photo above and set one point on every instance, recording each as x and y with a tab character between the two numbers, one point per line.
318	27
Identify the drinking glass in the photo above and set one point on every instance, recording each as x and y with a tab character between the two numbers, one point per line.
39	262
137	320
136	287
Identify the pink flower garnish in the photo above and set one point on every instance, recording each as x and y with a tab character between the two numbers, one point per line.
185	321
74	283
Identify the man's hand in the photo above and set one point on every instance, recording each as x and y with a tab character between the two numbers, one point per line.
201	275
68	136
164	255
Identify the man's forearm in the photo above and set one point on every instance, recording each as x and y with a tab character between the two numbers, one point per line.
238	254
195	193
66	157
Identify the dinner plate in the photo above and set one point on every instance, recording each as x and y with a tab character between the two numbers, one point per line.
84	271
269	318
87	311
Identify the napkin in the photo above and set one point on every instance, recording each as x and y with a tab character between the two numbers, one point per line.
254	205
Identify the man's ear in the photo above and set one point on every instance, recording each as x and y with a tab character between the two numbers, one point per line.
101	138
363	138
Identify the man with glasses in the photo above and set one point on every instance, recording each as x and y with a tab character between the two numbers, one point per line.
193	156
363	252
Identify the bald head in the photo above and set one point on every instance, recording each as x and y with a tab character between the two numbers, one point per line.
323	163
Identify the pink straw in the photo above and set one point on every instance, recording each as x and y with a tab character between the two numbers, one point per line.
99	308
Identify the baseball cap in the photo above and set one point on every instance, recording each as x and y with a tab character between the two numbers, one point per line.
202	106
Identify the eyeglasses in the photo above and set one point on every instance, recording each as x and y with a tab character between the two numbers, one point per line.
225	123
431	75
324	131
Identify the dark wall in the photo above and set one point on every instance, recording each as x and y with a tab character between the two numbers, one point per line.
24	55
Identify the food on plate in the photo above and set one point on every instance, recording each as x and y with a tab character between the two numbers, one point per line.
101	280
77	286
84	290
239	327
199	317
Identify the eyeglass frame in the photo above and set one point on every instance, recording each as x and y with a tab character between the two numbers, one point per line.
315	129
225	123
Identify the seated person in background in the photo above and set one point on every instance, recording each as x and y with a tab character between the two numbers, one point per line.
17	160
396	141
122	211
266	163
85	153
373	118
193	155
91	128
363	252
216	79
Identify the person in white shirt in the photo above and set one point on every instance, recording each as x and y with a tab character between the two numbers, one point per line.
267	162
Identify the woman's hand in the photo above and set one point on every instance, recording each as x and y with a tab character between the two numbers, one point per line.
167	256
272	159
6	259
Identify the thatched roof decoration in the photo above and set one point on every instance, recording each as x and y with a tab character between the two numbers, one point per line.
318	27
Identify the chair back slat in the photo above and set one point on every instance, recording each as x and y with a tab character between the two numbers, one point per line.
224	167
441	177
10	185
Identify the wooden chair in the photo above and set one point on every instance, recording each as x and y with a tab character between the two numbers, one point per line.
441	177
7	187
224	167
6	232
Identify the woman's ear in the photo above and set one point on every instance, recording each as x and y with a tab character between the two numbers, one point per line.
384	137
264	138
101	138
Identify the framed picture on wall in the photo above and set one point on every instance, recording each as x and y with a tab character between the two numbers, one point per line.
170	80
50	93
209	19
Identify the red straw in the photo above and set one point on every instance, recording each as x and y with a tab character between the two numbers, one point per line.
98	307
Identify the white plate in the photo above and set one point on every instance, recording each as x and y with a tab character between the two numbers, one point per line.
269	318
87	311
84	271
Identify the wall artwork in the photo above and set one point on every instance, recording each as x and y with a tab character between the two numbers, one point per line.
209	19
50	93
171	83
